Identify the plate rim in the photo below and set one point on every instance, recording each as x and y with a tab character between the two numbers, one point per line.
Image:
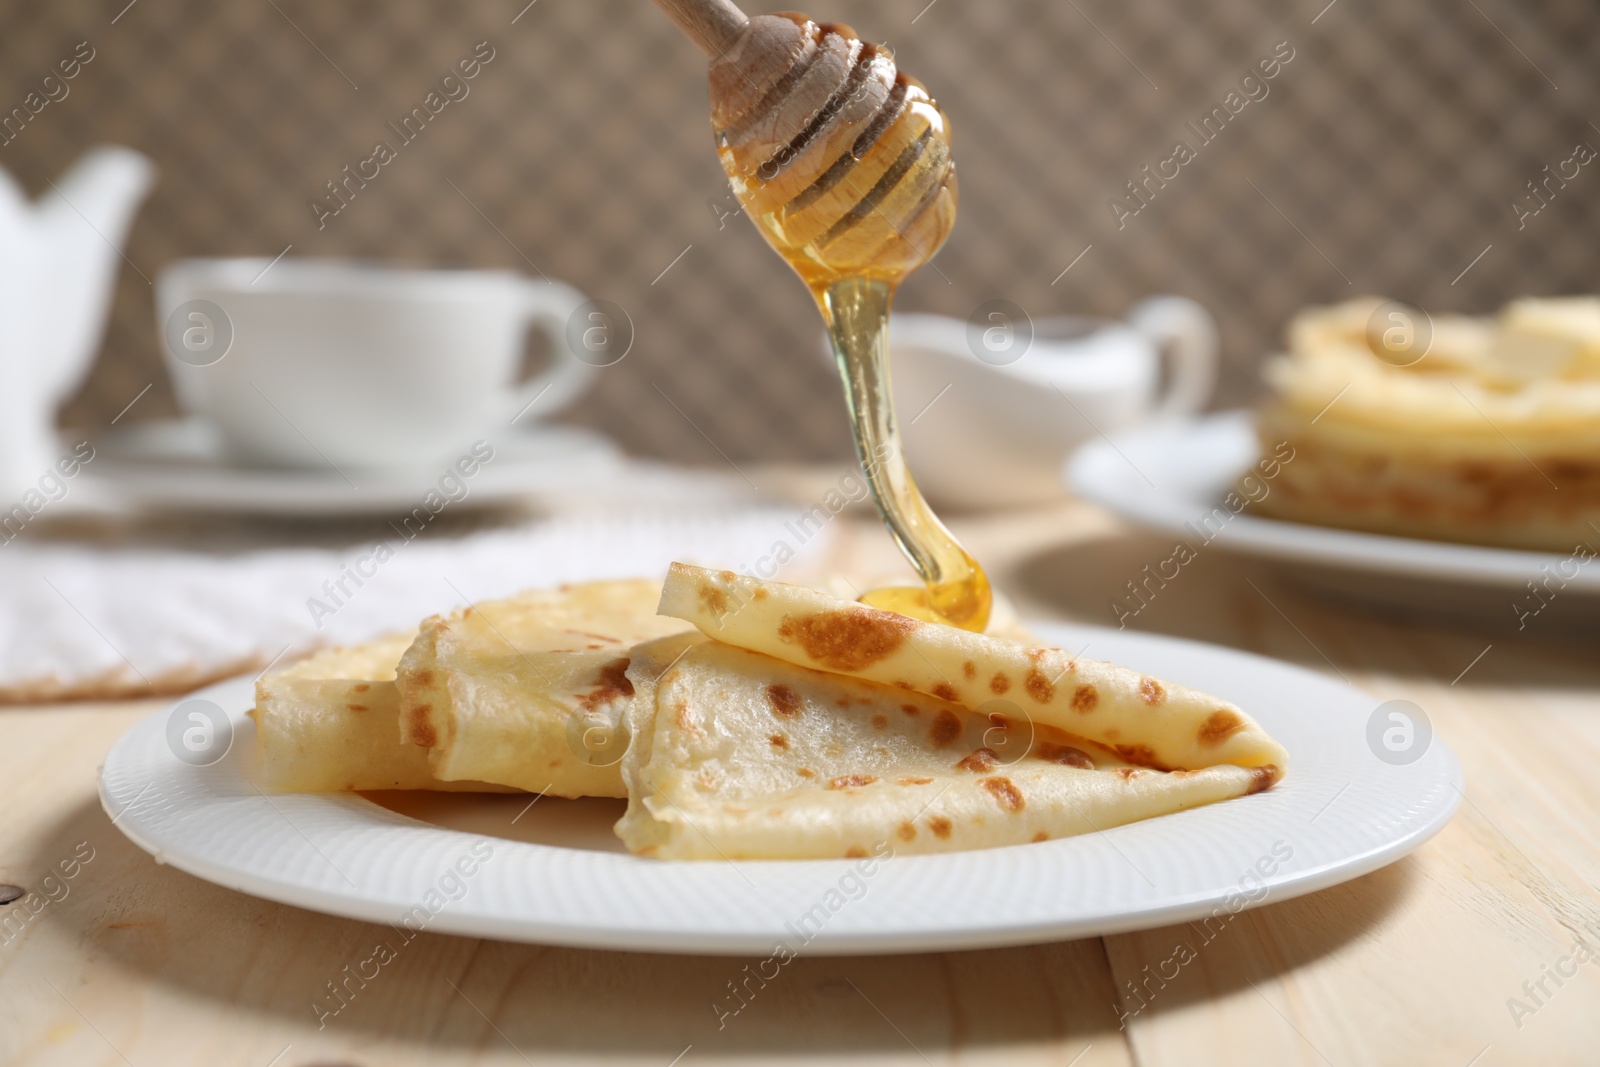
216	486
1159	509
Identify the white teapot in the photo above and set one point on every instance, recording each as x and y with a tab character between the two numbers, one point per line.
59	258
990	407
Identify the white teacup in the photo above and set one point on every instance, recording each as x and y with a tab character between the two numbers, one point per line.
309	363
990	407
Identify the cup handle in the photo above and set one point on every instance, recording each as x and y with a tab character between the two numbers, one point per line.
548	306
1186	332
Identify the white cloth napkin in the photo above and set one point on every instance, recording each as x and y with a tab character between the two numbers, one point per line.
86	620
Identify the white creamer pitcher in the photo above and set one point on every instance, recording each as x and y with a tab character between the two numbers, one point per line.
990	407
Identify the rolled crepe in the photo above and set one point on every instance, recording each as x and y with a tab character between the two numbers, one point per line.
1146	721
530	691
331	722
737	755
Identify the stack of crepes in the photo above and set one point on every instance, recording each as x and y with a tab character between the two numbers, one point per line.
1451	428
753	719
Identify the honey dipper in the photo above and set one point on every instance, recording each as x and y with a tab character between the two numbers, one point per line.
843	163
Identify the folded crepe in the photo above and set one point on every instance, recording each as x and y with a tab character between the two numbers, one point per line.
809	727
1146	721
737	755
516	688
331	723
530	691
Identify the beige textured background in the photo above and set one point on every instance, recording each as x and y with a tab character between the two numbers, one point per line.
1384	158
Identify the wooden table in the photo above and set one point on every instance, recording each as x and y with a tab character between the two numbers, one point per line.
1423	962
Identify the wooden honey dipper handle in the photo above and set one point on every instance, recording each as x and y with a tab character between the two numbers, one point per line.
711	24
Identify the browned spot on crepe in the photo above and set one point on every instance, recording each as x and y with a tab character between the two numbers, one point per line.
759	594
940	826
855	852
909	709
969	669
1151	691
999	683
1143	755
610	683
713	599
1262	778
361	688
945	691
421	730
880	722
785	701
945	729
806	772
851	781
906	832
909	780
980	761
1085	698
727	576
1065	755
903	684
422	677
779	741
1038	686
1219	726
848	639
356	707
1005	793
1041	836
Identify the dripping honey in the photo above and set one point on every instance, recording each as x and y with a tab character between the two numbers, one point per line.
956	590
853	242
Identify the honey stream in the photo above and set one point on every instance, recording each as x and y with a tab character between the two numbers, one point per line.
862	197
956	589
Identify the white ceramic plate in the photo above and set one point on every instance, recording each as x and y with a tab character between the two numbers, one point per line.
179	463
1167	477
1340	813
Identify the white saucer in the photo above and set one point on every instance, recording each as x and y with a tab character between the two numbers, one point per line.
1168	477
553	873
179	463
